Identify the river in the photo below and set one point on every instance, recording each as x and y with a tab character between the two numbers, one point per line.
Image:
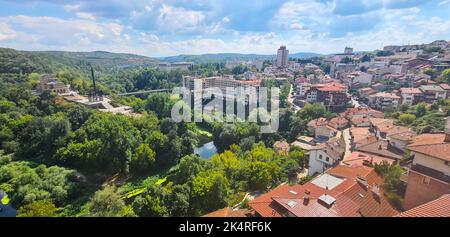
206	151
6	210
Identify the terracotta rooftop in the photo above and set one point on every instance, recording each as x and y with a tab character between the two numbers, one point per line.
411	91
386	95
427	139
230	212
360	158
340	121
439	151
445	86
437	208
348	199
382	148
405	136
349	113
381	122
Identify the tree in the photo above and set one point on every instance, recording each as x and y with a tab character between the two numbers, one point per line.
116	137
407	119
260	175
143	158
430	72
28	185
160	103
226	161
421	109
151	202
43	136
446	75
188	168
384	53
41	208
432	49
391	174
107	203
312	111
209	190
366	58
347	60
179	201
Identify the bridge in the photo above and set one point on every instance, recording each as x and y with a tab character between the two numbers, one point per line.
143	92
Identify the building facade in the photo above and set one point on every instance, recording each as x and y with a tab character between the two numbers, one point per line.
282	57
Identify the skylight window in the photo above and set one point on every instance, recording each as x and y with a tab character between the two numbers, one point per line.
292	204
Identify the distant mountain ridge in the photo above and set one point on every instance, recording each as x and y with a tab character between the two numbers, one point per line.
223	57
16	61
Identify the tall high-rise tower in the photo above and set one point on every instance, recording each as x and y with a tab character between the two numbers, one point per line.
282	57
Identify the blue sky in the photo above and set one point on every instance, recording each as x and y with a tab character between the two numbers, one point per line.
171	27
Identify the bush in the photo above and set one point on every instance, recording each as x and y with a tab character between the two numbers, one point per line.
395	200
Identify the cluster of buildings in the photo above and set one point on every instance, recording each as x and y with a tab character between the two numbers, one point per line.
342	154
396	76
221	82
49	82
167	66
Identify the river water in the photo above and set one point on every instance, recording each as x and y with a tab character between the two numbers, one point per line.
206	151
6	210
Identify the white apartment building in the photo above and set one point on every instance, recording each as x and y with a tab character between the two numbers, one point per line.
384	100
282	57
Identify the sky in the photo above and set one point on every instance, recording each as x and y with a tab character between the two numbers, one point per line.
159	28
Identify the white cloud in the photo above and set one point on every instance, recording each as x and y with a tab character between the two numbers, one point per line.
85	15
144	37
176	19
6	33
443	3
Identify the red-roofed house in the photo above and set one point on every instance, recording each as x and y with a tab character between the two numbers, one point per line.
383	100
341	192
411	96
428	177
332	95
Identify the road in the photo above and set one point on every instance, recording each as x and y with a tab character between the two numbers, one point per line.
355	102
348	142
291	99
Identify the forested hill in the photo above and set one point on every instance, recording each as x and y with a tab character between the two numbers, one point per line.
223	57
14	61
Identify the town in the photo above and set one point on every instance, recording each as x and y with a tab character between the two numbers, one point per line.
377	145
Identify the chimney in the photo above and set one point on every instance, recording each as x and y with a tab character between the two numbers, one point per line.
306	197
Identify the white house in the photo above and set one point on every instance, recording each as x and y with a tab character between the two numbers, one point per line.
325	156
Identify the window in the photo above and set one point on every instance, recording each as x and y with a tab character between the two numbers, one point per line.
320	157
328	159
426	180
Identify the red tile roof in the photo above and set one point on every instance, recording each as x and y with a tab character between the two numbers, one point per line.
434	145
351	198
427	139
230	212
382	148
437	208
360	158
440	151
411	91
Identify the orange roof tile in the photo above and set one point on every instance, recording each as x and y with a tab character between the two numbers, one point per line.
427	139
351	199
230	212
437	208
360	158
440	151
